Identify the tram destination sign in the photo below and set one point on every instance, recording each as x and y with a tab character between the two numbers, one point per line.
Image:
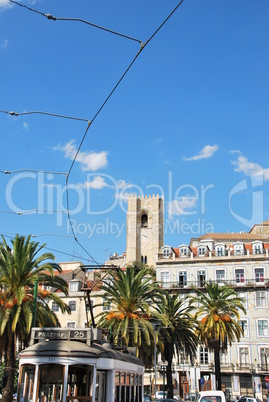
49	334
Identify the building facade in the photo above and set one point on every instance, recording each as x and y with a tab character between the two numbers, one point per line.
241	261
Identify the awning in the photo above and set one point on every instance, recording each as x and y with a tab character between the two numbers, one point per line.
147	380
150	379
159	381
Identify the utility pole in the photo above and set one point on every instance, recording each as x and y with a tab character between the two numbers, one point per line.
34	306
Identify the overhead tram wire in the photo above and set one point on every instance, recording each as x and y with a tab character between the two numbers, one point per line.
51	249
104	103
31	170
33	210
106	100
61	116
52	17
12	113
119	81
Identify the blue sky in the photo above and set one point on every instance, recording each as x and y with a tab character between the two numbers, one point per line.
189	121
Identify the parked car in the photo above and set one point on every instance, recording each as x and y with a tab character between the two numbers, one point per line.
166	400
160	395
248	399
210	396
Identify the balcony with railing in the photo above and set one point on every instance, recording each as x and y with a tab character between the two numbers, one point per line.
246	283
229	253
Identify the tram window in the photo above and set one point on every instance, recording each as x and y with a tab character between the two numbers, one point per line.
26	384
77	383
100	390
123	388
50	383
117	386
127	387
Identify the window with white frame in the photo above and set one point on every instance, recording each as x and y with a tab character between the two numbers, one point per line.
201	278
166	252
259	274
257	248
264	358
73	286
203	355
243	356
144	259
220	275
238	249
72	305
201	250
184	358
183	251
182	278
71	324
224	358
106	305
260	298
244	325
54	307
262	327
219	250
165	278
240	275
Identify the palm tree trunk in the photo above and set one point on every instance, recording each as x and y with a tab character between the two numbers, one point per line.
217	367
168	358
10	369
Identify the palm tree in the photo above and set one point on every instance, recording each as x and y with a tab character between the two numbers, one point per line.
177	331
20	269
218	308
130	293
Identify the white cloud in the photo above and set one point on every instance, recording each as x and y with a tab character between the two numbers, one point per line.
25	125
249	168
123	196
5	4
89	160
205	153
97	183
181	206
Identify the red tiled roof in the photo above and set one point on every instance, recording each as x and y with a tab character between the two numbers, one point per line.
233	236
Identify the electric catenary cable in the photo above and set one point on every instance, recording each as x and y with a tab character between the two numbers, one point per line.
53	18
89	122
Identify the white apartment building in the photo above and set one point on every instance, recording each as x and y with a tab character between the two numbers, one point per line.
240	260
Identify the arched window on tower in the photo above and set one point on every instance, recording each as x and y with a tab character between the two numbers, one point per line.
144	221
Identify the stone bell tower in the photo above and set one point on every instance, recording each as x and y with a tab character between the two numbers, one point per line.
145	228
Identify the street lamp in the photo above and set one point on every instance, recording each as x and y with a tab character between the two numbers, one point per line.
155	358
163	368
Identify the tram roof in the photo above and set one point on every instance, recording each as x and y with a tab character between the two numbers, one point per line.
63	348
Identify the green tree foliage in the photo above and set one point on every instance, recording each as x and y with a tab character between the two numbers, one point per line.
20	268
130	293
177	331
218	310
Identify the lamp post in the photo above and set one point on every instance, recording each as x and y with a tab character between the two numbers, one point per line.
34	305
155	360
163	368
